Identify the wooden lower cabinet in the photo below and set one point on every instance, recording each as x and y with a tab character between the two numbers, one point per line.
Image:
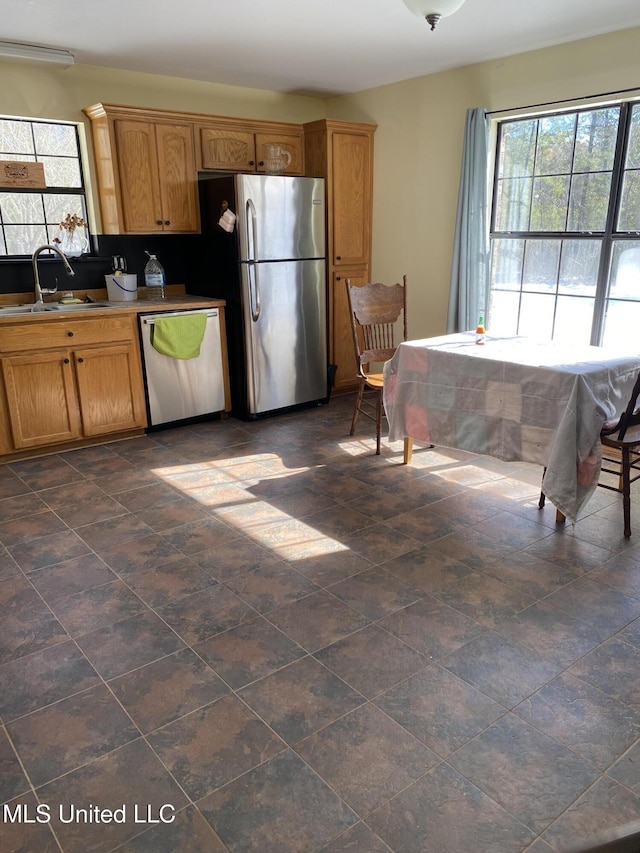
41	398
340	334
108	381
62	394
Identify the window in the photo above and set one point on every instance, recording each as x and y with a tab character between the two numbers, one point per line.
565	226
29	218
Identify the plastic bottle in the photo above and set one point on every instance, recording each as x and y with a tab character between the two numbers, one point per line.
480	332
154	278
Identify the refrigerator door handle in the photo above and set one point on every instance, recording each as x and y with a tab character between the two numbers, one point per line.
254	275
254	288
252	244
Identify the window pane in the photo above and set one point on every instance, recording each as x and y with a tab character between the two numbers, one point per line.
549	204
573	320
15	138
596	140
579	267
23	239
633	149
625	270
536	315
503	313
621	325
21	207
56	207
541	265
55	139
555	145
61	172
589	202
629	216
506	263
518	148
513	204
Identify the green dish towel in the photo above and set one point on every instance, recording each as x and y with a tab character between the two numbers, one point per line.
179	337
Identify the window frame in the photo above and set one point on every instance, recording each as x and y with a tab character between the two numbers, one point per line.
36	157
607	237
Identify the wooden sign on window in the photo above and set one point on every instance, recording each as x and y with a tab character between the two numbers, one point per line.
22	174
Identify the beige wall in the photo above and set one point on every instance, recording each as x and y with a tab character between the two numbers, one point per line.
417	146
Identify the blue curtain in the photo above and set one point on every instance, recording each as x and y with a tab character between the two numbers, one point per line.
469	293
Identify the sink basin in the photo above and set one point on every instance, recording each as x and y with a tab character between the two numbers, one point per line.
77	306
10	310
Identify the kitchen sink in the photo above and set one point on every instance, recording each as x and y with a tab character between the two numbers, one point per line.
11	310
77	306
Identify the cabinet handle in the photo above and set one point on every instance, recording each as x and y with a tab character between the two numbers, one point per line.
80	360
252	162
261	163
338	257
338	278
66	361
167	222
158	221
69	334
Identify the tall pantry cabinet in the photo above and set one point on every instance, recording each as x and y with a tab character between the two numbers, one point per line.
342	153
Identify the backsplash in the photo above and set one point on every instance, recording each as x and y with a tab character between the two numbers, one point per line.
176	252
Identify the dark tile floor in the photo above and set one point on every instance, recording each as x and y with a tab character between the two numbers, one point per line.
295	646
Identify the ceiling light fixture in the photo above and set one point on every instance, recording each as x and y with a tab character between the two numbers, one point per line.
15	50
433	10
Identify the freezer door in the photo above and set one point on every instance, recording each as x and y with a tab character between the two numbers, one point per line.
284	316
280	218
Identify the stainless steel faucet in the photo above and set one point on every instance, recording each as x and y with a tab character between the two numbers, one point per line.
36	277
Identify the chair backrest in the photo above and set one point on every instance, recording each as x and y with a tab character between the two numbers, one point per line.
374	310
631	416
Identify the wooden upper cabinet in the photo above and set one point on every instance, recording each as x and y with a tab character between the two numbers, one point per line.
147	162
351	185
241	148
146	171
157	176
178	181
227	148
291	142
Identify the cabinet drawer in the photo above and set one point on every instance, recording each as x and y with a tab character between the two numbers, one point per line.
65	333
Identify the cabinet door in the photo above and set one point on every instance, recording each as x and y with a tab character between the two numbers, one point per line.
109	389
351	184
226	148
177	177
291	142
41	398
139	176
341	336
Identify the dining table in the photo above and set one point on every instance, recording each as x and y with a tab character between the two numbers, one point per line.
516	398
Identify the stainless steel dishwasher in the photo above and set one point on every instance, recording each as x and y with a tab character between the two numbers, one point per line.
178	389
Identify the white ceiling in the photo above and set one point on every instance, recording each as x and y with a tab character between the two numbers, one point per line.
317	47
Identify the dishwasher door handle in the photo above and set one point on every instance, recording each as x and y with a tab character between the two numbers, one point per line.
149	321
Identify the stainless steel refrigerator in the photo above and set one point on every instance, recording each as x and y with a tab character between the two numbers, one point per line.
269	265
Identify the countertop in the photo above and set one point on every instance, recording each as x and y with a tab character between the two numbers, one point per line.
139	306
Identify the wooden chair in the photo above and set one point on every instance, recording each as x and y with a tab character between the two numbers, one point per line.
620	441
374	310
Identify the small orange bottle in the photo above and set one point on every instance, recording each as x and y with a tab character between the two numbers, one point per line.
480	332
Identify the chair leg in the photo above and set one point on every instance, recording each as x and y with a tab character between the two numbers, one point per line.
378	420
543	497
626	490
356	410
